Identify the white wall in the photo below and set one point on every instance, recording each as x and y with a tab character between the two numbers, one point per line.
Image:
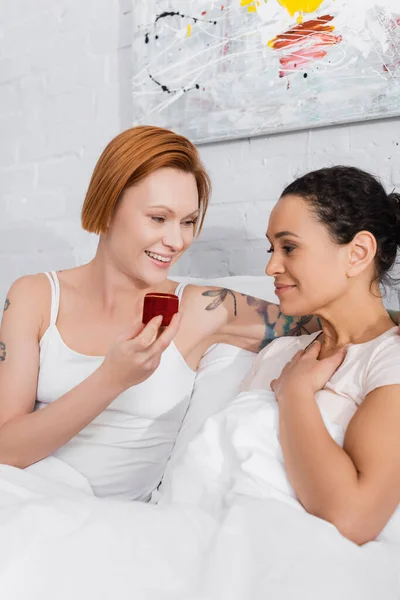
249	176
65	92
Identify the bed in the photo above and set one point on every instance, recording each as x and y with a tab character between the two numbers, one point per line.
206	535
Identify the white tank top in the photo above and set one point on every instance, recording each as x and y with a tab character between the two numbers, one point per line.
124	451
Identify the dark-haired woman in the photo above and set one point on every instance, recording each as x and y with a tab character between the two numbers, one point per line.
334	237
318	416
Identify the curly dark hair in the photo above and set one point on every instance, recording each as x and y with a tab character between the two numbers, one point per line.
348	200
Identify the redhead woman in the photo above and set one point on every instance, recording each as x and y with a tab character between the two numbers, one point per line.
81	378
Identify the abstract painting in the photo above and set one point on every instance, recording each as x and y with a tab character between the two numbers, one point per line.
215	70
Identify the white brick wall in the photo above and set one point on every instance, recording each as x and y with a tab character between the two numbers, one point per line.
65	92
63	72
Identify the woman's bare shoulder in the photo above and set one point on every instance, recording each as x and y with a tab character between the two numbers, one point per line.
30	287
36	288
32	294
73	276
29	297
203	311
202	297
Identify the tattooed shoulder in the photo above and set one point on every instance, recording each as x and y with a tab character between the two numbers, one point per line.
6	304
220	295
3	352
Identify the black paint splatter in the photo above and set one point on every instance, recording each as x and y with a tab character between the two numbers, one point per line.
172	14
164	15
195	87
168	91
163	87
178	14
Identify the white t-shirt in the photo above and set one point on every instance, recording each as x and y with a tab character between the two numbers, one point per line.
237	453
366	367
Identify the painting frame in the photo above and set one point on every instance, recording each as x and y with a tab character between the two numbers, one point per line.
191	107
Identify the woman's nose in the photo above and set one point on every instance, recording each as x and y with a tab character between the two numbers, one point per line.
274	265
174	239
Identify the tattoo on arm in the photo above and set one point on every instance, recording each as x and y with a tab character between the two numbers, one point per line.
3	352
276	324
6	304
220	295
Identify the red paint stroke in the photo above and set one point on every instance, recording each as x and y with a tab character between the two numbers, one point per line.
226	35
392	23
305	42
306	32
296	61
203	13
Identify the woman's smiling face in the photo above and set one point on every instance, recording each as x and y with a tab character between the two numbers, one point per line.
308	267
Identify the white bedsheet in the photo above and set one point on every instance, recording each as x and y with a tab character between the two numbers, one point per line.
227	527
59	542
267	545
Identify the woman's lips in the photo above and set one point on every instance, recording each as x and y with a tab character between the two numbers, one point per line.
282	289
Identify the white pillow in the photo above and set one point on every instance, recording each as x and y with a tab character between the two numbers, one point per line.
220	372
221	369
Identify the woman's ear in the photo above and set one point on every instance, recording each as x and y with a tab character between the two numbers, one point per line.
362	251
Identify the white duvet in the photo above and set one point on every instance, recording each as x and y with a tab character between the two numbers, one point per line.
227	527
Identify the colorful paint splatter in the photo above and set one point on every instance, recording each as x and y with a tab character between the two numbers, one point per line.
306	43
248	67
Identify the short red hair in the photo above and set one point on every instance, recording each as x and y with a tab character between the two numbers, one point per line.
129	158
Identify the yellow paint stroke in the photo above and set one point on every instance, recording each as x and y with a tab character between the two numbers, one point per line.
189	31
302	6
251	5
300	19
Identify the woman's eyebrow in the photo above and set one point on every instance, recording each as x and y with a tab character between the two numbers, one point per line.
283	233
170	211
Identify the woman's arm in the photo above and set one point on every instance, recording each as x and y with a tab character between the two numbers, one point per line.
27	436
356	488
250	322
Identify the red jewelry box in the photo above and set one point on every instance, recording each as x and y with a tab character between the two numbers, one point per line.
160	304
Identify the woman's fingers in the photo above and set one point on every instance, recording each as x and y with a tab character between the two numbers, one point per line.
146	338
167	335
313	349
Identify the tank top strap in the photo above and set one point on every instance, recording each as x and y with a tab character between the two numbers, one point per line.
55	296
179	290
